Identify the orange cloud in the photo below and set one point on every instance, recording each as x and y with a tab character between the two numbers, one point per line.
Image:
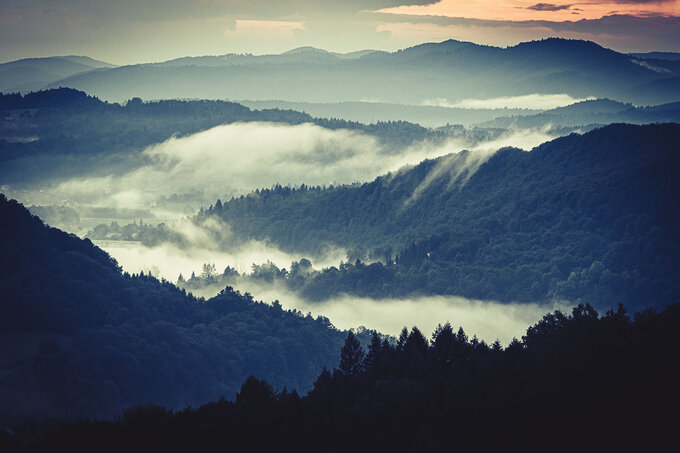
520	10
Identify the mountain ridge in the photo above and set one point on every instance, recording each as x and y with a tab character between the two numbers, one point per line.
578	68
34	73
80	338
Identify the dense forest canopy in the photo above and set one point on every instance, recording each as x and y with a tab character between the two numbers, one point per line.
573	380
82	339
590	218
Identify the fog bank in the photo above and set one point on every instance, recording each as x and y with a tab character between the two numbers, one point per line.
168	261
528	101
488	320
234	159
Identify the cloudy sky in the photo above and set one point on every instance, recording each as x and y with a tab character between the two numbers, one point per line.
134	31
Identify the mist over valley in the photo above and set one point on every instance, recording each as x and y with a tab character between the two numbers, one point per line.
381	249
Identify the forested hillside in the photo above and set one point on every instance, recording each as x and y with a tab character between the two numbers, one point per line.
589	218
79	338
578	381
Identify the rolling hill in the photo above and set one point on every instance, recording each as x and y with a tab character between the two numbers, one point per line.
592	113
78	338
452	70
31	74
591	218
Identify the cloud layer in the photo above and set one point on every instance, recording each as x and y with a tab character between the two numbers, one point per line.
529	101
235	159
488	320
168	261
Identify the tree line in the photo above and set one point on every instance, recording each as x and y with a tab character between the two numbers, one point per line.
576	380
588	218
81	338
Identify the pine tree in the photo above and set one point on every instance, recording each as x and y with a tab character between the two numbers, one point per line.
351	355
416	344
374	352
402	339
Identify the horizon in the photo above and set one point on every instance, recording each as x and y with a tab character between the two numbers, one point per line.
143	32
314	48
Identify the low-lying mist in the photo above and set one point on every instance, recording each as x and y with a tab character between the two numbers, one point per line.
487	319
169	261
528	101
234	159
459	167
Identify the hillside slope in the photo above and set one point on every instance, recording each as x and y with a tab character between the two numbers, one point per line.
589	217
35	73
78	338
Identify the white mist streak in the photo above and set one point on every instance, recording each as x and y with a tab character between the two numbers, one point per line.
488	320
528	101
233	159
458	167
168	261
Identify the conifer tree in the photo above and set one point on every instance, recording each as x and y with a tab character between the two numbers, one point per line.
351	355
374	351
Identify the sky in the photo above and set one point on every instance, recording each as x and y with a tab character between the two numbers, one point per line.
136	31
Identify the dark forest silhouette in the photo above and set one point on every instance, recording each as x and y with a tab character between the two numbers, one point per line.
80	338
578	381
142	363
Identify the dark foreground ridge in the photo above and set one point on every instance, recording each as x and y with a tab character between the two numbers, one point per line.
574	382
79	338
83	340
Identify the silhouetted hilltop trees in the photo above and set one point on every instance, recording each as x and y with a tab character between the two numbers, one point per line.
579	381
79	338
54	98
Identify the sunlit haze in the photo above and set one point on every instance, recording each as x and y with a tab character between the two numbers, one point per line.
127	32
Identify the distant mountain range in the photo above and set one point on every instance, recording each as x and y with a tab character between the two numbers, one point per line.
450	70
31	74
672	56
592	113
